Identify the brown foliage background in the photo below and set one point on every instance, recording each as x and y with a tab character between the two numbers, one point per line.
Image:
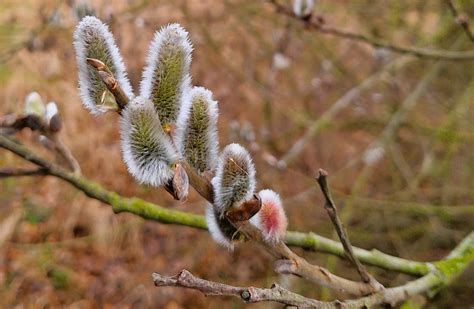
58	247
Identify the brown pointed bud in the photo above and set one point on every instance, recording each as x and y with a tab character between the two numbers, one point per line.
97	64
180	183
246	210
55	124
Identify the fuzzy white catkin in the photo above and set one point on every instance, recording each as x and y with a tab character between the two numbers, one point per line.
303	8
216	233
147	151
196	129
169	55
34	105
234	181
92	29
271	218
51	110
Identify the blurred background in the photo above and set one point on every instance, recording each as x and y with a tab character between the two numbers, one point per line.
394	132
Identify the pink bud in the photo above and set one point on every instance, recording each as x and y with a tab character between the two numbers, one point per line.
271	218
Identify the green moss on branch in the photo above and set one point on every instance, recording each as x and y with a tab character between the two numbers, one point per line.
160	214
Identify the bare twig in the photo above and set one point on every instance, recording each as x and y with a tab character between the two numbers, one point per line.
319	26
337	107
64	152
461	256
248	294
330	208
110	82
460	19
200	184
18	172
51	132
33	122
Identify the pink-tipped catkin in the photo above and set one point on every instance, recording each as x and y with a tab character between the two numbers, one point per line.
271	219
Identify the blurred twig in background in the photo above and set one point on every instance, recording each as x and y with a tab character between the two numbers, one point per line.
319	25
343	102
461	19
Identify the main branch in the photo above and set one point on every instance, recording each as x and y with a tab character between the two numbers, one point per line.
150	211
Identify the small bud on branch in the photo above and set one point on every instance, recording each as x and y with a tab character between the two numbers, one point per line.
34	105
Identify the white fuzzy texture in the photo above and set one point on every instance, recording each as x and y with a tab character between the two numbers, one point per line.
303	8
150	165
223	193
34	104
271	218
182	124
215	230
88	28
51	110
168	35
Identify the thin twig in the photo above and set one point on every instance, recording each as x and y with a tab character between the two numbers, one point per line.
50	131
337	107
200	184
64	152
317	25
460	19
291	263
448	269
276	293
110	82
33	122
18	172
330	208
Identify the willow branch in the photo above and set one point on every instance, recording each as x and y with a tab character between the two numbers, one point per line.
150	211
247	294
436	274
461	20
110	82
319	26
330	208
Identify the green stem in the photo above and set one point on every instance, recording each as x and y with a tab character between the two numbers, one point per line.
160	214
442	274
